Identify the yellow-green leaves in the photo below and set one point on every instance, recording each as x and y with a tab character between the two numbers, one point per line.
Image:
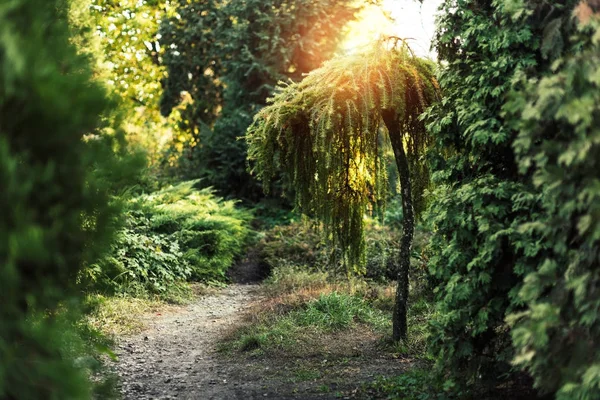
324	133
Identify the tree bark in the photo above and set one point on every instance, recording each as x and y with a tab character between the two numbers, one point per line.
400	325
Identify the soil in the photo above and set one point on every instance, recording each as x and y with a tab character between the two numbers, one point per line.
177	357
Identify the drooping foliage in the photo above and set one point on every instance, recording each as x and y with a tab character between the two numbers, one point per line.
55	216
556	336
323	132
229	56
481	252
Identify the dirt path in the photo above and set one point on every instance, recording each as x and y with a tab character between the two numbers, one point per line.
176	356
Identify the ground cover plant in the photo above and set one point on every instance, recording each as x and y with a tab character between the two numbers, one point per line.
170	237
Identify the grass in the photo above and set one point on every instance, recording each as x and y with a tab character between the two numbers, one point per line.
304	310
415	384
300	326
122	315
304	374
117	316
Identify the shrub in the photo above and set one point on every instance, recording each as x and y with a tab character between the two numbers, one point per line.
557	334
55	215
478	251
173	235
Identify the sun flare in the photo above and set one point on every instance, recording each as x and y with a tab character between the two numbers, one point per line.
403	18
371	24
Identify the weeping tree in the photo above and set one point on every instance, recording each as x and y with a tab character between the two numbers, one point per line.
323	132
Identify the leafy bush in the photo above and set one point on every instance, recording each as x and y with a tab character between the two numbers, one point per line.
55	214
141	260
557	334
173	235
479	254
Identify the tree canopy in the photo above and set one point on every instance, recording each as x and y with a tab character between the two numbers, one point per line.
323	132
229	56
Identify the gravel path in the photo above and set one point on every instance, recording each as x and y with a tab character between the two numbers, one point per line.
176	356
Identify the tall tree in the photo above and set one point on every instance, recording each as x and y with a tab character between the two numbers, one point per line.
126	44
323	132
229	56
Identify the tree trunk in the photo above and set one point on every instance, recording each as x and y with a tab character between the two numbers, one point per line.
400	325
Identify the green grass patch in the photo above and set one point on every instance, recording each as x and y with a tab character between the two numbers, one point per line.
328	313
304	374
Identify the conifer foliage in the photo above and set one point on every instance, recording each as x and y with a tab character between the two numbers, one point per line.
324	133
54	219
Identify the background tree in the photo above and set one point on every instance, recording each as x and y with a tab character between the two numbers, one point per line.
56	216
324	133
126	45
228	58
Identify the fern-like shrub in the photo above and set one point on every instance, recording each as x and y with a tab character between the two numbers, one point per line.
174	235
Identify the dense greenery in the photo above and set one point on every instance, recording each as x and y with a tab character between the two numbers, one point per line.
55	213
498	143
514	222
228	58
558	146
177	234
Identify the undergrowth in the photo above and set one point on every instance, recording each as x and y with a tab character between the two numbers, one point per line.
414	384
171	236
300	244
328	313
303	306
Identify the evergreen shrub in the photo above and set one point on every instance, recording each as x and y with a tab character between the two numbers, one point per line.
55	217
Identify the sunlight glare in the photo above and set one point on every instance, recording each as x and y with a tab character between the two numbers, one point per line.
402	18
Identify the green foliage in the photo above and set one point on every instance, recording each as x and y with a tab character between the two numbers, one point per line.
173	235
125	41
556	335
415	384
300	245
328	313
141	260
55	215
323	132
229	57
485	213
